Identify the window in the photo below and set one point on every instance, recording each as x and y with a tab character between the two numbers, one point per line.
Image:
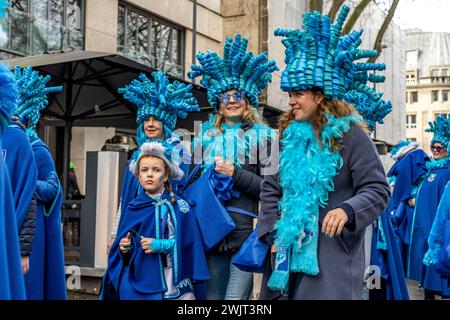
412	139
434	95
444	72
444	95
150	40
434	72
36	26
414	97
411	122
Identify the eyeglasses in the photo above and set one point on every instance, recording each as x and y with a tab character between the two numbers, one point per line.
224	98
437	149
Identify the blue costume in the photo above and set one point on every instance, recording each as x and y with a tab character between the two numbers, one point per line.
142	273
319	57
439	240
385	251
166	102
405	175
22	168
11	278
46	278
428	197
178	254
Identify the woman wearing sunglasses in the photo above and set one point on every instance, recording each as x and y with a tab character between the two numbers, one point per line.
234	142
331	183
427	202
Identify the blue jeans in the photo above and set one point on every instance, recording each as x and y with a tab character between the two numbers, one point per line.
227	282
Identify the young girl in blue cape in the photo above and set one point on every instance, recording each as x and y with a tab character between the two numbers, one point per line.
428	197
46	279
158	253
159	105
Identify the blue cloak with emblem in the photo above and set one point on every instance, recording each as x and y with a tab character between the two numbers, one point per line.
11	278
143	273
22	169
408	172
46	278
427	202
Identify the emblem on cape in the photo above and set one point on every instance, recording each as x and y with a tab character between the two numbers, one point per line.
183	205
432	177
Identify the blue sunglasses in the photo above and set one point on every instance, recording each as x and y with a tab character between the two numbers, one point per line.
224	98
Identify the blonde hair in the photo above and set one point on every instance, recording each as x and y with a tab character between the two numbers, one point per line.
250	116
338	108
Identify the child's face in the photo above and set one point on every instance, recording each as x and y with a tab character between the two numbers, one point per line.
152	174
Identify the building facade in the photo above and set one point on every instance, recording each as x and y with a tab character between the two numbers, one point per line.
428	82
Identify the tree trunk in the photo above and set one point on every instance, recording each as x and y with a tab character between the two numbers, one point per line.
316	5
335	7
355	15
383	30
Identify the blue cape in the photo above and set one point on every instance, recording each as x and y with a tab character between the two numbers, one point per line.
145	270
408	171
21	167
46	279
11	279
389	259
427	202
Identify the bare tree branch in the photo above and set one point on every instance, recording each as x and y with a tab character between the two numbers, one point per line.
335	7
383	30
316	5
355	15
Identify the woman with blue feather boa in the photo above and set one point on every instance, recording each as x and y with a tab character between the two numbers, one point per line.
331	184
234	148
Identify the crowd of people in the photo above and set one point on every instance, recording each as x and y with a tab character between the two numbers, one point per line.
185	227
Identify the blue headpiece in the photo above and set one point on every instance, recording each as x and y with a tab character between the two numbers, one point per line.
8	95
321	58
166	102
369	105
239	70
32	97
441	130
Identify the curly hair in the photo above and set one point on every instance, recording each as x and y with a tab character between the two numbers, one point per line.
338	108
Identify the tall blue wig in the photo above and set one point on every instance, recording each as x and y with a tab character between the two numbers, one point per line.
239	70
32	97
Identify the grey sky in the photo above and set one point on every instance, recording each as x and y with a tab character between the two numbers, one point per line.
428	15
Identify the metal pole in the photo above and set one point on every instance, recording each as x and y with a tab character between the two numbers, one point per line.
67	130
194	32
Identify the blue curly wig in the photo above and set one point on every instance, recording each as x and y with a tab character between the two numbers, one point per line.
32	97
321	58
163	100
239	70
8	95
441	130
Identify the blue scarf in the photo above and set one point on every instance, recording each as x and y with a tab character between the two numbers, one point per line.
297	231
436	164
229	144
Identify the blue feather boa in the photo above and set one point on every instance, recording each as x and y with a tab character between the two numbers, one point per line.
233	144
437	164
307	172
